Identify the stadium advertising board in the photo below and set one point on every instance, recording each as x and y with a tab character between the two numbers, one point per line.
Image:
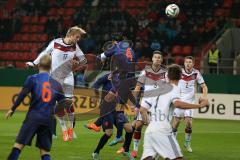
81	103
222	106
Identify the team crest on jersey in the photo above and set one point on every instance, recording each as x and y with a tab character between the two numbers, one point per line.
64	48
154	76
189	77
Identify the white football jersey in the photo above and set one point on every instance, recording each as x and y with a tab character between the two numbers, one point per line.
62	55
150	78
187	84
161	110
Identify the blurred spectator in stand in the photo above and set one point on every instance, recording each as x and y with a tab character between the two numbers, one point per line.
214	57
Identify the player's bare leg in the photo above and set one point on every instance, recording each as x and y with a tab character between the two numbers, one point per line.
175	124
45	155
16	150
61	118
70	114
188	132
136	137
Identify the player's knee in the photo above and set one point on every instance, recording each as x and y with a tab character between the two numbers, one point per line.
139	125
70	109
109	132
128	127
188	130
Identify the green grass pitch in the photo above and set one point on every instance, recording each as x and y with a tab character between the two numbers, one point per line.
211	140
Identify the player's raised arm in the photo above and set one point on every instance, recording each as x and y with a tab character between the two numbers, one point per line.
184	105
46	51
80	56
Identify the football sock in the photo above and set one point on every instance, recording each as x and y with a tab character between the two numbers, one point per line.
62	123
128	140
46	157
71	119
119	130
136	139
188	132
14	154
101	143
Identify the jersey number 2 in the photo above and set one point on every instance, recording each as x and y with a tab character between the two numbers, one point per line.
46	92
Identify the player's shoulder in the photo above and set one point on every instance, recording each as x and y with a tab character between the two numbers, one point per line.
175	88
196	70
147	68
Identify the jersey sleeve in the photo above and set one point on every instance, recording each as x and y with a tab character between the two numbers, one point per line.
80	55
146	102
200	79
142	77
48	50
100	81
175	94
27	87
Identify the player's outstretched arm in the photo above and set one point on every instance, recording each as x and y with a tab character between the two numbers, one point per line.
9	113
183	105
48	50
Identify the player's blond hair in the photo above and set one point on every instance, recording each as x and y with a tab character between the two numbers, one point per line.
45	62
75	30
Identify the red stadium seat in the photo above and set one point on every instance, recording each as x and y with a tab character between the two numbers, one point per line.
69	4
25	28
26	19
21	64
1	46
78	3
187	50
69	11
34	19
61	11
176	50
43	37
43	19
52	12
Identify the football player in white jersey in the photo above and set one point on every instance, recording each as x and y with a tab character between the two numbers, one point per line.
64	52
158	138
187	85
148	79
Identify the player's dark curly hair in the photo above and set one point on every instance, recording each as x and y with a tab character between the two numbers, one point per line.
174	72
117	36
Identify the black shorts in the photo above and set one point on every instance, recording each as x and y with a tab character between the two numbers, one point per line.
29	129
123	88
120	118
107	121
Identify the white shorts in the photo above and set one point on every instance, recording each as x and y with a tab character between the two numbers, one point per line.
156	143
68	86
183	112
178	112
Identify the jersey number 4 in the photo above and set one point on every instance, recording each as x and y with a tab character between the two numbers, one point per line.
46	92
129	54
